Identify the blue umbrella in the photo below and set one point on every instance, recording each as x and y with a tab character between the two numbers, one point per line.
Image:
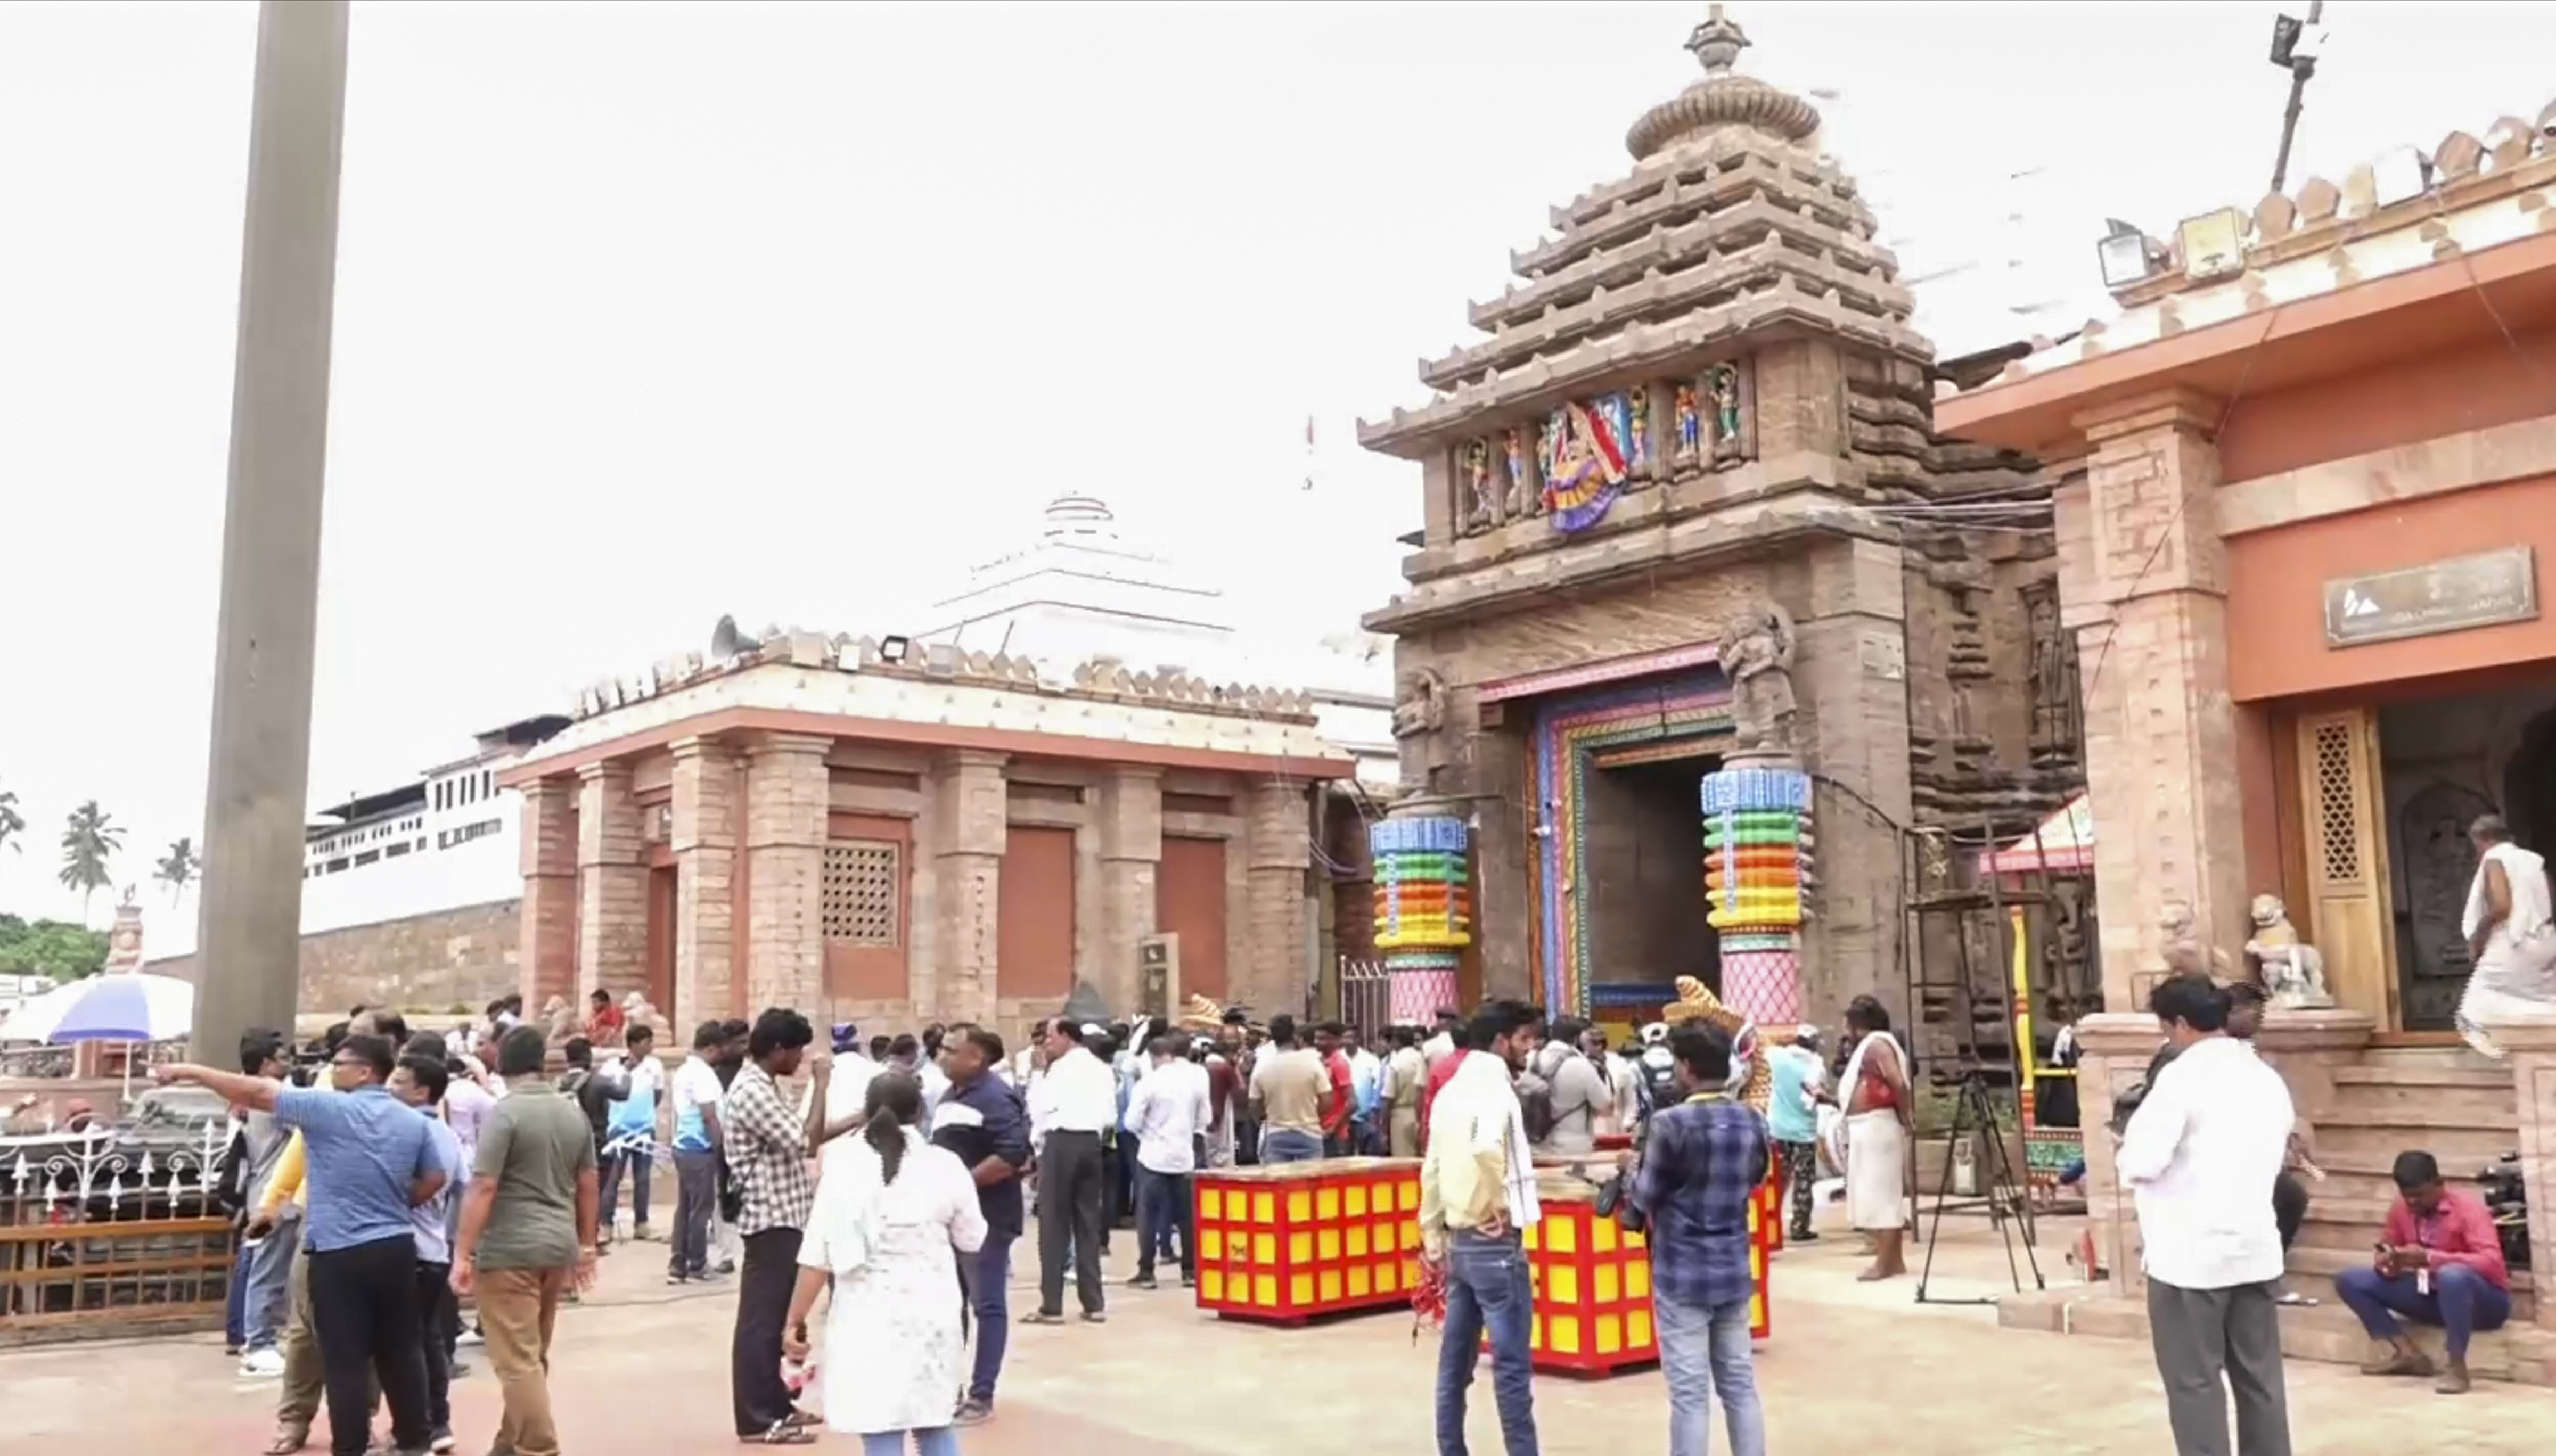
128	1006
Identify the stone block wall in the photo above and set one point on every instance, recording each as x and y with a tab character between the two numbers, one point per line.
439	962
786	805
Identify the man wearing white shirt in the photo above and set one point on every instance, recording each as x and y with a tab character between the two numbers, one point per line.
2200	1155
1167	1112
848	1091
1442	1044
1074	1102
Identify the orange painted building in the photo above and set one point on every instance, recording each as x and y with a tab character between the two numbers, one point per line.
940	838
2304	553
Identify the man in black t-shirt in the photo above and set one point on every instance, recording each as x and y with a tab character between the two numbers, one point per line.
981	1118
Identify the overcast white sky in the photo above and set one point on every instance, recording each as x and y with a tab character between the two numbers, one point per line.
648	312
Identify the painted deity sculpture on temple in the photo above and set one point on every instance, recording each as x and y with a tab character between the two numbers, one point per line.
1690	424
1756	651
1478	482
2291	970
1722	385
1521	486
1640	440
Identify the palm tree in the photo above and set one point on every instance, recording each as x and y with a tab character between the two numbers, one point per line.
177	871
90	840
12	823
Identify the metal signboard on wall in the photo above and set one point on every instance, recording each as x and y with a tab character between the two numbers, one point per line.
1158	976
2482	591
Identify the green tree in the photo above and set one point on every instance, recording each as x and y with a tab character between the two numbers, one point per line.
179	868
56	948
90	840
12	823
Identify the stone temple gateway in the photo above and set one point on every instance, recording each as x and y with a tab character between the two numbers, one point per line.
1685	514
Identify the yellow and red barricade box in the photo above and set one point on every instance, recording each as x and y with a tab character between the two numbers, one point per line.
1288	1242
1769	1212
1593	1284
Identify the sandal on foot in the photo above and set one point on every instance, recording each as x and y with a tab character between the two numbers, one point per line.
288	1443
1041	1316
782	1433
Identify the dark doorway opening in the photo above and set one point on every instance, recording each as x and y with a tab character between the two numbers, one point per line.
1644	862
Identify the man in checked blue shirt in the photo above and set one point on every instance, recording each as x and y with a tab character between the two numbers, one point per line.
1703	1164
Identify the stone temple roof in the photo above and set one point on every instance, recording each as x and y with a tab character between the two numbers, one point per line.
2406	209
1730	225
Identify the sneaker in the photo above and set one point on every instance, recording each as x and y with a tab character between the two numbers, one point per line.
471	1336
642	1234
461	1369
1188	1281
1801	1236
972	1411
1095	1316
262	1365
725	1268
442	1442
1144	1281
230	1352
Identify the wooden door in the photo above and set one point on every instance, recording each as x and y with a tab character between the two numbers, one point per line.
2341	807
661	938
1189	902
864	898
1034	935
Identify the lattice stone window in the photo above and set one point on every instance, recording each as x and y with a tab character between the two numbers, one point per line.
2338	807
861	904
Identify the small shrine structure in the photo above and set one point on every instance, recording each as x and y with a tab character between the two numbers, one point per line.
902	832
1701	604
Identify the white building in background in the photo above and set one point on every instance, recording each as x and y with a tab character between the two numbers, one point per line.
447	839
1082	591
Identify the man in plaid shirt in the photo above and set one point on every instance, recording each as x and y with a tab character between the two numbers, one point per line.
769	1143
1705	1157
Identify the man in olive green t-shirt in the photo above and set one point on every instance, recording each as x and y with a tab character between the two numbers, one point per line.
527	1230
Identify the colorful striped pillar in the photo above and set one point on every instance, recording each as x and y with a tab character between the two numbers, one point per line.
1757	879
1424	909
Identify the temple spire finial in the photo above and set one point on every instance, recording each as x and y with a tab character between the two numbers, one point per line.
1718	42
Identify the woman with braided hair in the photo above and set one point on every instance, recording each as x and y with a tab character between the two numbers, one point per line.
886	1219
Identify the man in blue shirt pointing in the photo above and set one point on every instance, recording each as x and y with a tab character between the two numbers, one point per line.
371	1159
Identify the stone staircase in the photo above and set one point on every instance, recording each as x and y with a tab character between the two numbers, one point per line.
2382	1101
2449	1102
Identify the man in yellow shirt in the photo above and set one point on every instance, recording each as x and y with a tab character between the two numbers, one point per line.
1477	1196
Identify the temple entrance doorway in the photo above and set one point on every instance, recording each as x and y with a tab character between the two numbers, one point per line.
1616	772
1644	862
2442	763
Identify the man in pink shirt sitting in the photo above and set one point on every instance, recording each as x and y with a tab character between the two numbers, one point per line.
2440	1262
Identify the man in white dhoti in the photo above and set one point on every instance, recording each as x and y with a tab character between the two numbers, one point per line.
2510	925
1879	1115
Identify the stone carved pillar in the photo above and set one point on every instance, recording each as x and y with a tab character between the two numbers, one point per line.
1130	828
612	887
971	807
704	839
2144	586
546	961
786	787
1276	849
2532	1046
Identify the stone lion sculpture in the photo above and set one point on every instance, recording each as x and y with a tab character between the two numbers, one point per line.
2291	970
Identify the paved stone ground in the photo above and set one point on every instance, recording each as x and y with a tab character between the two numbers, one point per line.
641	1370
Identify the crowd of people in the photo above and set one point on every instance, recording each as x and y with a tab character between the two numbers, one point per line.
891	1178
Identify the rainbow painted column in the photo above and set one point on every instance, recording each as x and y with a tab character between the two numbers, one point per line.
1757	878
1424	909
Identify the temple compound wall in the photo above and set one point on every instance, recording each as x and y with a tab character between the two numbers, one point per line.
1701	604
807	824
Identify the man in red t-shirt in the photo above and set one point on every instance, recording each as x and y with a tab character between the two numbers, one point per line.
2439	1262
1342	1105
1439	1076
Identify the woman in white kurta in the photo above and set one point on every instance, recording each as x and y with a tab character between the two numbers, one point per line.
888	1213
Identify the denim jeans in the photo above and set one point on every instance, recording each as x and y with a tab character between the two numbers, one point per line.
1487	1288
267	1300
985	1274
939	1440
235	1302
1701	1349
2461	1302
633	1164
1163	1206
1287	1144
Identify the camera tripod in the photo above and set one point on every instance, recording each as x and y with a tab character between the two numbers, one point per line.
2005	1197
